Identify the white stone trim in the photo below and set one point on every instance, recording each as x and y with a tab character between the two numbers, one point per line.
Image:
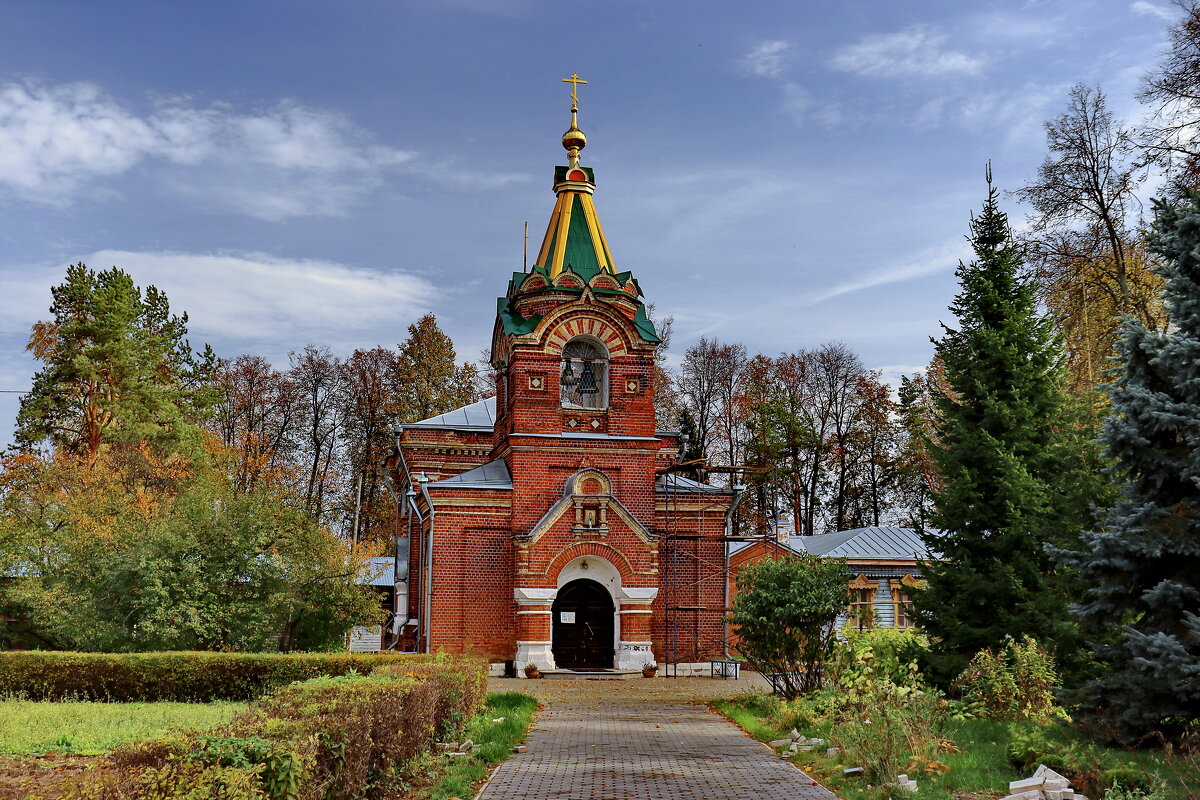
638	596
534	652
532	596
633	654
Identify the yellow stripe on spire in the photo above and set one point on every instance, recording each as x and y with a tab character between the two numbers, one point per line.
560	237
551	229
599	241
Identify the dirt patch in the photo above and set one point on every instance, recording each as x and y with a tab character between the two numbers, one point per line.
961	795
42	777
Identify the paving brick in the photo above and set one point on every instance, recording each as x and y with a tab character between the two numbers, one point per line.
619	740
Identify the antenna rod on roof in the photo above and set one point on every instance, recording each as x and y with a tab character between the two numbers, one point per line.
525	250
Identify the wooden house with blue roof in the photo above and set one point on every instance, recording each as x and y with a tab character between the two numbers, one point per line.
882	564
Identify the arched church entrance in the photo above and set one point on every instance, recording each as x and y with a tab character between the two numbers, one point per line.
583	626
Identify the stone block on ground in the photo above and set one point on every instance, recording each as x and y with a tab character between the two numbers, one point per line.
794	735
1025	784
778	743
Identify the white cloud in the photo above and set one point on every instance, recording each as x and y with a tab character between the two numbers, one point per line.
768	59
285	161
1016	116
245	302
915	51
892	373
1153	10
251	299
930	261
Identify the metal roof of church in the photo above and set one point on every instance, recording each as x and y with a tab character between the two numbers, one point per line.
678	483
479	416
492	475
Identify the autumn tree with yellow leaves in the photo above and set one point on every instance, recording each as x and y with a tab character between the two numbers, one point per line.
125	525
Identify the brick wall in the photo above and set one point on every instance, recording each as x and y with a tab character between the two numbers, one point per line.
482	543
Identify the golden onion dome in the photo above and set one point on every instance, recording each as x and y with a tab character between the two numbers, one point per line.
574	138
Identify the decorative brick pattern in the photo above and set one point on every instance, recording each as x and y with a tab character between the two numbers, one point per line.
483	540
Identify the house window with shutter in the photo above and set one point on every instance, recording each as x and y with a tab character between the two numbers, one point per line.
861	614
901	604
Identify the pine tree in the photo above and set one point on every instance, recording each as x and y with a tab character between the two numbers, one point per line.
117	368
1002	461
1141	608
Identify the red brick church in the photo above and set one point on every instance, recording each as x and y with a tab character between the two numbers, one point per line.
545	525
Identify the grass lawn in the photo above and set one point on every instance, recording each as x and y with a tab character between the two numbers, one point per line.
460	777
31	728
981	770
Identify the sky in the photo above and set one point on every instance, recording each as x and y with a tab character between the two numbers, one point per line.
780	174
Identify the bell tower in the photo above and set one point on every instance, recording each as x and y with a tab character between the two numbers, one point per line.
547	525
573	346
573	350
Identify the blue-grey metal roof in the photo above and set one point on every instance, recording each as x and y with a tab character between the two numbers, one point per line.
492	475
870	543
874	543
677	483
479	416
382	572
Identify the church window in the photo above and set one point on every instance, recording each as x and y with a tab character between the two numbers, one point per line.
584	379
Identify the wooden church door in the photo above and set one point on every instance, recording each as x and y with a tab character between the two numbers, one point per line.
583	626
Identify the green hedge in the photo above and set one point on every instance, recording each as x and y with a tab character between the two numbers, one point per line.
329	738
179	676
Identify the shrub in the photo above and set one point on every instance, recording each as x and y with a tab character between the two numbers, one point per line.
179	676
1016	682
176	780
1027	749
892	655
785	611
888	728
327	738
1124	783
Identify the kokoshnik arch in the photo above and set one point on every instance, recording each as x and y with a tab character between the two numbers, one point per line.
542	525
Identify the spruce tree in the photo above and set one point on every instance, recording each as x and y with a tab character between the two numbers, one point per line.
1141	605
1002	461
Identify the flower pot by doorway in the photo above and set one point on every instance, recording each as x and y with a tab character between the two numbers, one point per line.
649	670
532	671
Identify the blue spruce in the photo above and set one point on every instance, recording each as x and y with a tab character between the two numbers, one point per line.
1142	572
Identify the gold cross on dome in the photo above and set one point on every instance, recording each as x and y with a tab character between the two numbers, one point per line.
574	80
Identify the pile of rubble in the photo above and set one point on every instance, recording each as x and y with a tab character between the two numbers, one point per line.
1046	784
456	749
795	743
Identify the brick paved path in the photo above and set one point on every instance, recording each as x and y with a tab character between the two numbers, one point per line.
626	740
